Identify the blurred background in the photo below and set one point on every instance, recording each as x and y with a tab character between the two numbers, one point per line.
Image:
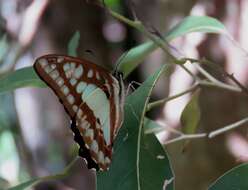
35	139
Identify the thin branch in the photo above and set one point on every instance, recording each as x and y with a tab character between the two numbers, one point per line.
163	101
244	89
227	128
210	135
116	15
214	81
206	74
185	137
220	85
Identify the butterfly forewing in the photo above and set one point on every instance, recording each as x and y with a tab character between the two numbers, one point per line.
92	97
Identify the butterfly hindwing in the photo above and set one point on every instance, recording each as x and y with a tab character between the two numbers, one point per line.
92	97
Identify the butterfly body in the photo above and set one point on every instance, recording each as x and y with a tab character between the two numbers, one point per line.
92	97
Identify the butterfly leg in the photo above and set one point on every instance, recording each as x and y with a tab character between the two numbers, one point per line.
131	86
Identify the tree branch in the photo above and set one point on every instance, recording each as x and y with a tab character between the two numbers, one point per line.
210	135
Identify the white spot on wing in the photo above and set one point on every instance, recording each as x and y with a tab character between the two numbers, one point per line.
54	74
60	81
60	59
48	69
94	146
43	62
70	99
84	123
66	67
79	113
89	133
75	108
100	157
73	81
78	72
53	66
80	87
98	76
69	69
65	90
107	160
90	73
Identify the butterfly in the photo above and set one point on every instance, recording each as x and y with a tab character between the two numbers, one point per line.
93	98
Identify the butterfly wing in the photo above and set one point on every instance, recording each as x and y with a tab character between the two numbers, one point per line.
92	97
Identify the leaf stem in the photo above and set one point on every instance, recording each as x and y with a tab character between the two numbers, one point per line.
118	16
227	128
140	27
162	101
220	85
185	137
210	135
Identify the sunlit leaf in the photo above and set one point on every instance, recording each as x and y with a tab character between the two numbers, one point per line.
134	56
196	24
139	160
191	115
234	179
25	77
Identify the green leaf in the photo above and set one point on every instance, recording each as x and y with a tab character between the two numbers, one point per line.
133	57
139	160
191	115
20	78
234	179
151	126
196	24
73	44
32	182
